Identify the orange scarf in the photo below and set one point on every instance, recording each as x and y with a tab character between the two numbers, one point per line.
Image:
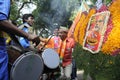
62	51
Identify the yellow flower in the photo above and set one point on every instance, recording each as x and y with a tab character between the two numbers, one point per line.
76	31
113	41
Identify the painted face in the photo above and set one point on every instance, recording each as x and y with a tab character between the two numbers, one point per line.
30	21
100	21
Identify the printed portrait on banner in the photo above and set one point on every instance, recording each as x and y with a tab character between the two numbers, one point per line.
95	31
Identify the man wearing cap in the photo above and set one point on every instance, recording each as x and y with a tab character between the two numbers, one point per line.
66	53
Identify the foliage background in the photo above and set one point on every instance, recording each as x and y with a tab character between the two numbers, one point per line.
99	66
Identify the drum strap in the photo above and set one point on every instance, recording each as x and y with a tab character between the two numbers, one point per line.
59	46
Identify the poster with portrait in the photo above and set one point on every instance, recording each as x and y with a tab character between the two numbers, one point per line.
95	31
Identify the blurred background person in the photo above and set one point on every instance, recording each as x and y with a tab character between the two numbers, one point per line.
28	21
53	42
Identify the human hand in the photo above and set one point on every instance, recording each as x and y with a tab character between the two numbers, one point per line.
35	39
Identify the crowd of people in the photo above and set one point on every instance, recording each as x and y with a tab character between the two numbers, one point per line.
62	44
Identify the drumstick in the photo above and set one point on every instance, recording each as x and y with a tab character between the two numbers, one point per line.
47	42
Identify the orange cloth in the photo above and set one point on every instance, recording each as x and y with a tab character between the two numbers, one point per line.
55	43
50	43
62	49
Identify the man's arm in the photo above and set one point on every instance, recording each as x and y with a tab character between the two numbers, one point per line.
10	28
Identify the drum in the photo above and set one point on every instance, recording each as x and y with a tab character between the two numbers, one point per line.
27	66
51	59
13	52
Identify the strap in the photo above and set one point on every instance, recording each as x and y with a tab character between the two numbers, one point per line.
21	26
62	51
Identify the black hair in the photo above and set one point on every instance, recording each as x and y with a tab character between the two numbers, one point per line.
26	16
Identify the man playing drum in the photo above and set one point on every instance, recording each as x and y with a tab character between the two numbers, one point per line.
6	26
54	43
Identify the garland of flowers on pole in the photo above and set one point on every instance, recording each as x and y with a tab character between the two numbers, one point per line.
111	43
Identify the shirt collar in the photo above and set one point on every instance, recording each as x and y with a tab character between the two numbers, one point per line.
27	25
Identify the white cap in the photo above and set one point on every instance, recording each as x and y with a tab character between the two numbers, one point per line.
63	29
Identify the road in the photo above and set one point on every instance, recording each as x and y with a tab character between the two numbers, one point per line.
80	75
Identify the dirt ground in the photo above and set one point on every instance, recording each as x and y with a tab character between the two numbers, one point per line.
80	75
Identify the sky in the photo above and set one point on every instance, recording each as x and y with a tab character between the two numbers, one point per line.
28	10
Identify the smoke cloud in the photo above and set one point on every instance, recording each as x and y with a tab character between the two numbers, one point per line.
56	12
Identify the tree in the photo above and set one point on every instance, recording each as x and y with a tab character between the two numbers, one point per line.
15	13
52	12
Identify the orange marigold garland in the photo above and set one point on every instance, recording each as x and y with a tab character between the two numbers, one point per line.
76	31
112	43
75	22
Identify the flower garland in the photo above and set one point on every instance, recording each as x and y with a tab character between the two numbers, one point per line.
76	20
76	31
82	28
113	41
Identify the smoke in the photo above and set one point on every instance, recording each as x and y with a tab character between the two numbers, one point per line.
57	12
